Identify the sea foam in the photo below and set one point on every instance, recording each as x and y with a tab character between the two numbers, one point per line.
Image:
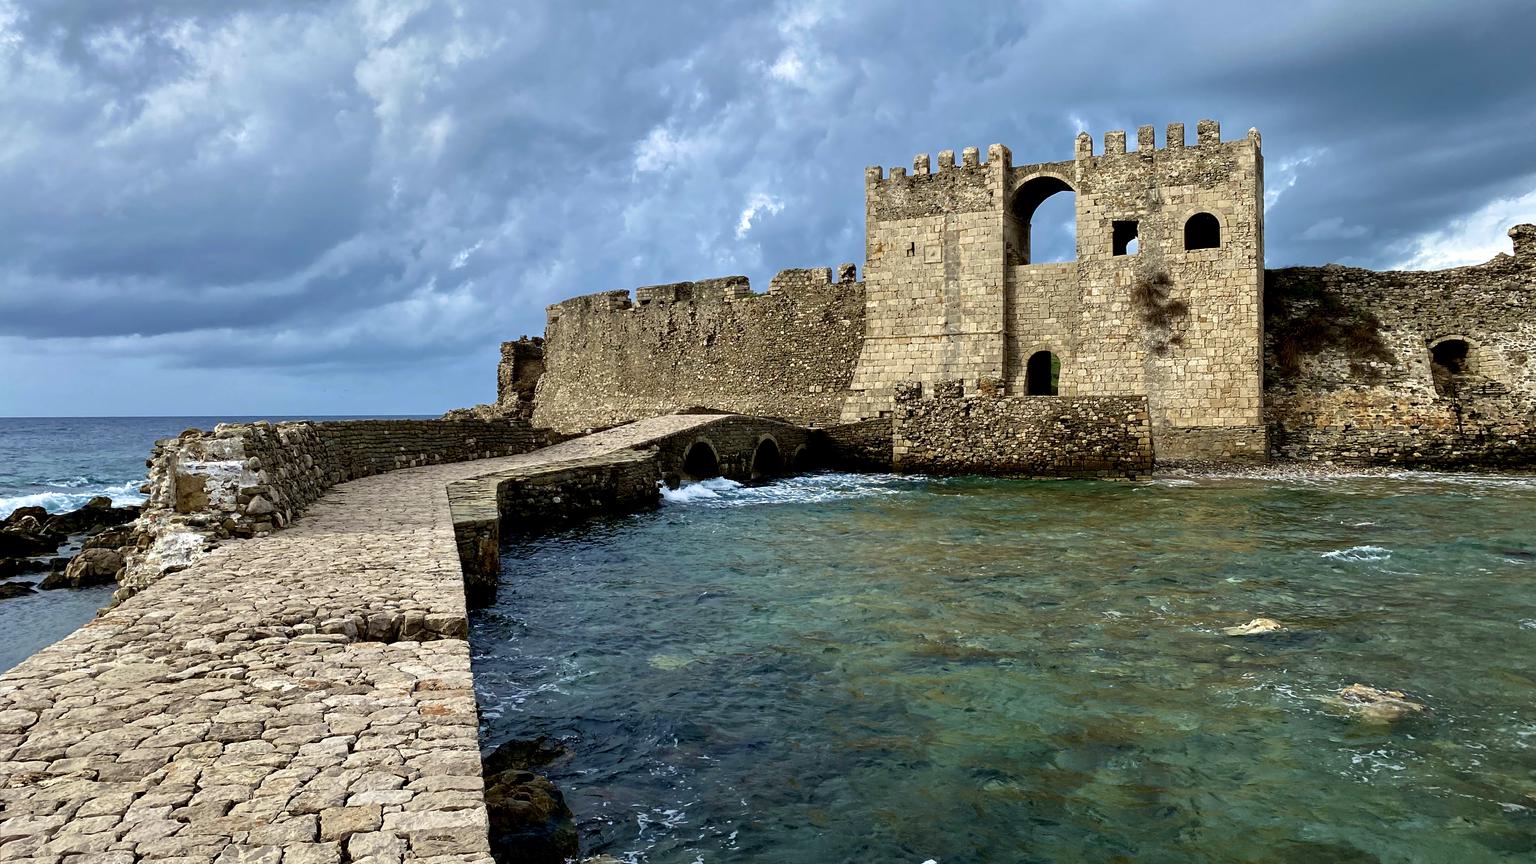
1359	553
802	489
69	495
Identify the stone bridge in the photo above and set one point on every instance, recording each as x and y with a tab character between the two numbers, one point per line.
305	695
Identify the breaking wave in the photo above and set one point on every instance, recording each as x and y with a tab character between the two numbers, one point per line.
66	495
804	489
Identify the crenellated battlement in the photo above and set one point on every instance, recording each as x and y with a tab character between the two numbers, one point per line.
970	160
1207	135
723	289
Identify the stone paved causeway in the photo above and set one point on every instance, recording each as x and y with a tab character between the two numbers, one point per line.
300	697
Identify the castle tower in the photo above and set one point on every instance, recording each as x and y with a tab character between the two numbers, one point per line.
1164	299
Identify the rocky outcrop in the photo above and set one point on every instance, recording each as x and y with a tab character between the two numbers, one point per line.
91	567
530	821
30	533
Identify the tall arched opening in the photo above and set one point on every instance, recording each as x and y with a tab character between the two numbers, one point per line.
1042	223
1042	374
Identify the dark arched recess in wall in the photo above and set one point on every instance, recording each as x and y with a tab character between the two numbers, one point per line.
700	462
1040	374
1202	231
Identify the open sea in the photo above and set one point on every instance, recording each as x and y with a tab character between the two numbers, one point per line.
59	463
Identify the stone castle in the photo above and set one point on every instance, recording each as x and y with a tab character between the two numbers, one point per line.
1167	309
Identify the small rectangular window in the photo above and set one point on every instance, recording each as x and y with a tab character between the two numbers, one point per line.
1126	239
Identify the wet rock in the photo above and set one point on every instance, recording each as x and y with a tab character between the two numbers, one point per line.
523	754
530	822
1377	706
1256	627
25	538
115	537
97	513
90	567
14	589
10	568
38	513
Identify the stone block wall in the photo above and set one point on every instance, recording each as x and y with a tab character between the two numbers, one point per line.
861	446
788	353
1024	436
538	498
1350	375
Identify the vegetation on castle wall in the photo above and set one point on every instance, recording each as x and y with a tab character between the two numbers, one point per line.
1159	314
1307	317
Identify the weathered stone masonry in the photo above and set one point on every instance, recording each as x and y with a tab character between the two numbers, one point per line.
787	353
1020	436
1353	374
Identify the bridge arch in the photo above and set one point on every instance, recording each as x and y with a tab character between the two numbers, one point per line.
700	461
767	458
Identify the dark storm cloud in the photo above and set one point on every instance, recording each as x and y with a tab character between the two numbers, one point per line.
324	194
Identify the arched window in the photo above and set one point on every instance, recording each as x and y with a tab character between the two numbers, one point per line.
1041	374
1042	231
1202	231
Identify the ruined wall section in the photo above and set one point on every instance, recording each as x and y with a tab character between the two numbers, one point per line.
934	256
1182	327
788	353
1350	366
517	375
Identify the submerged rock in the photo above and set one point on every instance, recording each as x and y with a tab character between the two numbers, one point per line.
530	822
90	567
523	754
15	589
1256	627
1377	706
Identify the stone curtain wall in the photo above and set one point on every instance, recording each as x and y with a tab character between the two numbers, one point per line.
1348	371
788	353
1024	436
242	480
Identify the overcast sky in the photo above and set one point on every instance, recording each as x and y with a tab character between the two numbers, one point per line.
298	207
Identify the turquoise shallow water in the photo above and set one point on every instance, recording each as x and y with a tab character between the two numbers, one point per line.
844	668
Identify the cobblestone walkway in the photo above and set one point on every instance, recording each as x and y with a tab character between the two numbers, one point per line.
300	697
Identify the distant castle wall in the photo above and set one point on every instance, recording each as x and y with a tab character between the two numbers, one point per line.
1430	368
788	353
